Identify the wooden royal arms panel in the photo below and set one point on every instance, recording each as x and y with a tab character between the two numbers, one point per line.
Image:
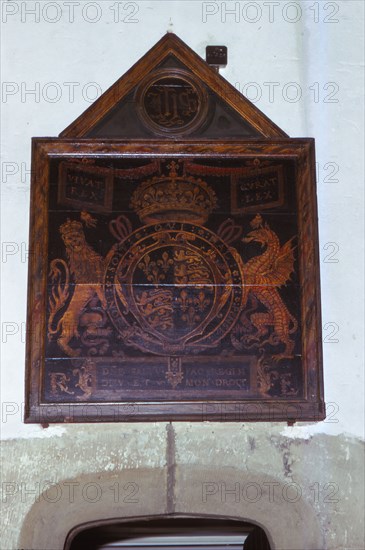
173	281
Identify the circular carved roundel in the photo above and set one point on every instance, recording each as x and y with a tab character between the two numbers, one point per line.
171	101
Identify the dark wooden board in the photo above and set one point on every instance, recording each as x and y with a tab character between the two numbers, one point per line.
173	281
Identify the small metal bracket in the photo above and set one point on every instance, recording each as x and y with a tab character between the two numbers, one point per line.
216	56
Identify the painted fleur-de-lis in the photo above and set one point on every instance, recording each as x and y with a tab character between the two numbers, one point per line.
151	270
165	262
201	301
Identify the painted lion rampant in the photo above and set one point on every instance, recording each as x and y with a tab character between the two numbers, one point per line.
86	268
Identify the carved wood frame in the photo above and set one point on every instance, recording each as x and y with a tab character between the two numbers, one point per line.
311	408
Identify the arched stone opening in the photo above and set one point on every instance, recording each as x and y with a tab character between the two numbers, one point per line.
134	494
169	531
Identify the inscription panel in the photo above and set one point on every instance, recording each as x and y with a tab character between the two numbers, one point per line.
83	187
263	187
99	379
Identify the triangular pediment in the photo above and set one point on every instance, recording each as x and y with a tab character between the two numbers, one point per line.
169	93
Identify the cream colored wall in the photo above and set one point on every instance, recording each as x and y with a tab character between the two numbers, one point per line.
303	62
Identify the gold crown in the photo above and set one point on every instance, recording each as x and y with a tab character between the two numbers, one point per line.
71	227
173	197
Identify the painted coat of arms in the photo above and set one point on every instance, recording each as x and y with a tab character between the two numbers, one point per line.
172	279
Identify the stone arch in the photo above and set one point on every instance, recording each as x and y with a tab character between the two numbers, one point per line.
146	493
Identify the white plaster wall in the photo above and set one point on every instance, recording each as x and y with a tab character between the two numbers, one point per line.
306	75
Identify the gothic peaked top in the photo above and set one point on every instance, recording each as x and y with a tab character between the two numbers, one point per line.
171	91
